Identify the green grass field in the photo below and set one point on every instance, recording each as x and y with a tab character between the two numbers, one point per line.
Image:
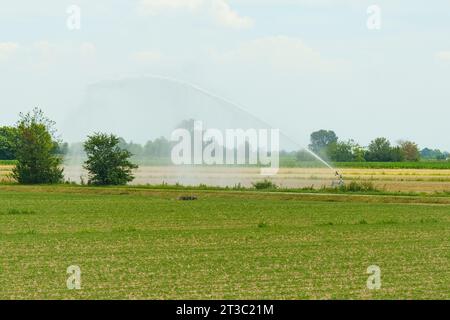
137	243
288	161
7	162
438	165
291	162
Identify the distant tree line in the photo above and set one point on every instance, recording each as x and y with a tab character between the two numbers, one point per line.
158	148
326	144
436	154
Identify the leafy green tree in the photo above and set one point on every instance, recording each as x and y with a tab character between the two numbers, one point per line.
135	148
359	153
34	150
379	150
60	148
8	137
430	154
320	140
436	154
410	150
160	148
340	151
107	163
397	154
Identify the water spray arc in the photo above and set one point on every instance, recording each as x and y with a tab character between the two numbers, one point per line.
242	109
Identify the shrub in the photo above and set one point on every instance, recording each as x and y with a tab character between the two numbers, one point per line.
265	184
358	187
262	224
34	151
107	163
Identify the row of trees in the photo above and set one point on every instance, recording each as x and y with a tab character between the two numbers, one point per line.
34	144
158	148
436	154
324	143
327	144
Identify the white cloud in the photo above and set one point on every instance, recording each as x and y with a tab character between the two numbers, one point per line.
7	49
278	52
308	3
222	12
443	55
155	7
218	10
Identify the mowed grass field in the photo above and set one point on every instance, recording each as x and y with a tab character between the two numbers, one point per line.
134	243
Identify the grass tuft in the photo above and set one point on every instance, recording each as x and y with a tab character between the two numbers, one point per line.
20	212
264	185
262	225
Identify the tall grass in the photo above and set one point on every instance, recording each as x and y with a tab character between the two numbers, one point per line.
264	185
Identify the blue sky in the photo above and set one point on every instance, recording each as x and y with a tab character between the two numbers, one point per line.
300	65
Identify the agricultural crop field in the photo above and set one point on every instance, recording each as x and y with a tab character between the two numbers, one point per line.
5	171
396	165
7	162
388	180
292	162
136	243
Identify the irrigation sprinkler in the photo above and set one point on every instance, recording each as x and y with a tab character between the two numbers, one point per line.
341	179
